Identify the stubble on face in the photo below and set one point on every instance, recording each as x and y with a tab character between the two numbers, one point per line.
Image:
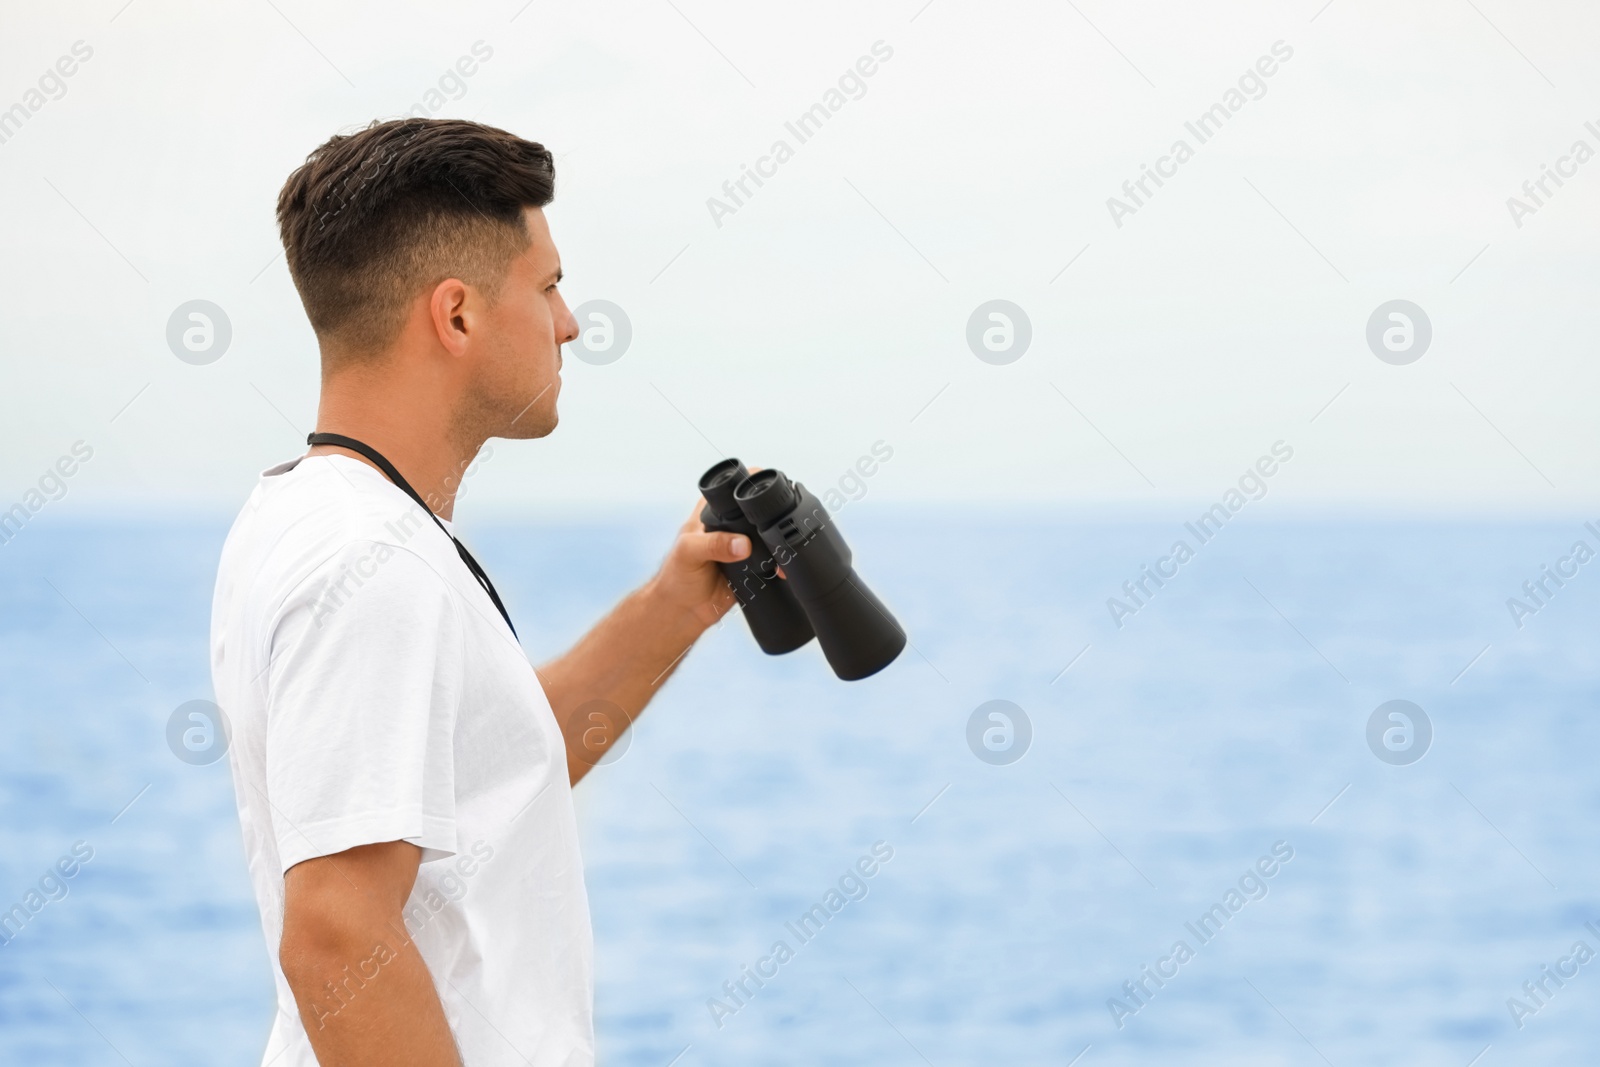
515	392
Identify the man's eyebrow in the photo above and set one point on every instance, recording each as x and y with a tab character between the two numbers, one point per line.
556	278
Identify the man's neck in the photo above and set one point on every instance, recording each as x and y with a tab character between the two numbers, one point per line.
410	428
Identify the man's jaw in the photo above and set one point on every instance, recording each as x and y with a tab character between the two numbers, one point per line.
548	386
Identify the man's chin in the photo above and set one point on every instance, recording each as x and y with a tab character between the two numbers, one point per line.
538	416
529	428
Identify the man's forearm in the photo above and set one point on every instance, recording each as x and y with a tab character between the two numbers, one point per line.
624	660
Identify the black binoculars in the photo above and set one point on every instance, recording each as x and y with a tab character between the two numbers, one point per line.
820	594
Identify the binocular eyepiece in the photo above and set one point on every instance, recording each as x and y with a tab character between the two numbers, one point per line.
820	594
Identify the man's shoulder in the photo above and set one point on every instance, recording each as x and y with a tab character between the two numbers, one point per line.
305	515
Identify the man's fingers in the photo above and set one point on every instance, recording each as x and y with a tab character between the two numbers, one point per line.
720	547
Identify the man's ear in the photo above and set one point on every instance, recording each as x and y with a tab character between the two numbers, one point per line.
452	321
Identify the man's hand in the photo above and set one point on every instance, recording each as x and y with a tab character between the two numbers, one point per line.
690	579
630	652
363	990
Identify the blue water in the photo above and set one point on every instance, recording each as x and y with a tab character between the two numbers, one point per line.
1222	718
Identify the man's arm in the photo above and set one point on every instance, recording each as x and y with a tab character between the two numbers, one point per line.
364	992
631	651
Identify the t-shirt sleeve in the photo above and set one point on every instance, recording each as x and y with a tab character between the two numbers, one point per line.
365	681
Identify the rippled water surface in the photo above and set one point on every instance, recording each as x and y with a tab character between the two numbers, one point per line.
1228	716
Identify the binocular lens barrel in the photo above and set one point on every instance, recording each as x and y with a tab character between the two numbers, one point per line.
776	619
795	531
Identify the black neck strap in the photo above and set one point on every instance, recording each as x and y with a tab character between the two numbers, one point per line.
394	476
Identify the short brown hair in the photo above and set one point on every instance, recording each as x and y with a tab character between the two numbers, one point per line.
374	217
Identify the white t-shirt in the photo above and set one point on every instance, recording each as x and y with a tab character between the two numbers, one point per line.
375	694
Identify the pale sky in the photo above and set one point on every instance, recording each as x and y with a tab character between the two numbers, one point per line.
830	311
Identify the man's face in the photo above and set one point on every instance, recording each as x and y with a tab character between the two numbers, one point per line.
520	377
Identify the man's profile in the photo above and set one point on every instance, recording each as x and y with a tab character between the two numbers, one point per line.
403	774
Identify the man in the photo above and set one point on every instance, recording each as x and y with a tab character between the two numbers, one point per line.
403	774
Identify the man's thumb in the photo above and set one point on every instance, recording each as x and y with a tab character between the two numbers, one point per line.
722	547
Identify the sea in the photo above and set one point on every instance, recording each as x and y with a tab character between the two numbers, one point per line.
1318	793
